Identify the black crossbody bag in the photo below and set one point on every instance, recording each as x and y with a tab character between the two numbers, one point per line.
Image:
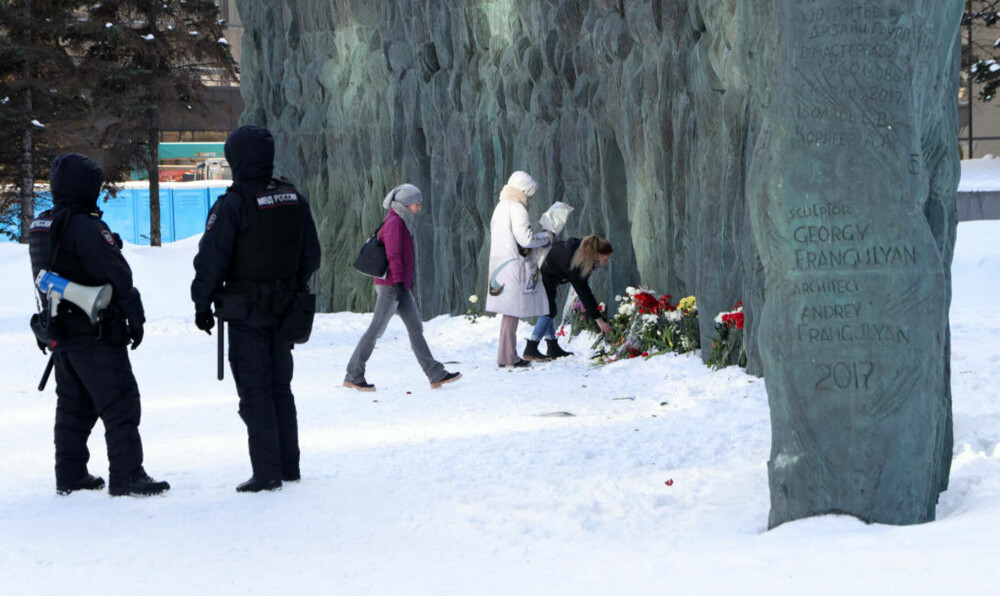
371	260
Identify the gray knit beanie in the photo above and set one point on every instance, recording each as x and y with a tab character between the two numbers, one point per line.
405	194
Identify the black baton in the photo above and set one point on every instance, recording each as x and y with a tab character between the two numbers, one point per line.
48	371
221	371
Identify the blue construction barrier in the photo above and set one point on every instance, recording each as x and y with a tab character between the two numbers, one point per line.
183	210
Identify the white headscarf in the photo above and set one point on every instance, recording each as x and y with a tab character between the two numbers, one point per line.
523	182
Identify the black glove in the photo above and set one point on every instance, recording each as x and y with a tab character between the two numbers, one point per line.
41	346
204	320
135	332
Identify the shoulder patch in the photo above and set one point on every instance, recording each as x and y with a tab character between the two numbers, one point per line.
211	222
276	198
41	225
108	237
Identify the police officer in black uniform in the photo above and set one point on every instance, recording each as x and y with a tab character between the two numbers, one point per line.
259	248
93	374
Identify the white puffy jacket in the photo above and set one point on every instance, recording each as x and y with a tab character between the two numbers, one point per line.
515	285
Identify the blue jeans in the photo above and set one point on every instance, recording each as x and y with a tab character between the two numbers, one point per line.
392	300
545	327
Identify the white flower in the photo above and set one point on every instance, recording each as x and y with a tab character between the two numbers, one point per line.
674	316
626	309
718	318
601	306
618	298
650	319
630	291
473	299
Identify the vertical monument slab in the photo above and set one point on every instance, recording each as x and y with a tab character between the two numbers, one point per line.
854	332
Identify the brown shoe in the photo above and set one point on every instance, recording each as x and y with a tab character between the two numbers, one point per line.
362	386
448	378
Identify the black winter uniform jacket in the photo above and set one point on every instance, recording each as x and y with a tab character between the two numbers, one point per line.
250	152
84	249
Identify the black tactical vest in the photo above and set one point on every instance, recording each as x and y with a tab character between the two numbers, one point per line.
270	248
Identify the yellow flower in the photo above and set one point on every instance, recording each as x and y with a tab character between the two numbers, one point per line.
473	299
689	304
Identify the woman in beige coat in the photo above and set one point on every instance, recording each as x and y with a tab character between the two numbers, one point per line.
515	285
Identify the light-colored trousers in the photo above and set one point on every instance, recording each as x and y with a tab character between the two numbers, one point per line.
507	353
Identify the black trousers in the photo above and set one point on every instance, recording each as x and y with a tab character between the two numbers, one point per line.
261	362
96	381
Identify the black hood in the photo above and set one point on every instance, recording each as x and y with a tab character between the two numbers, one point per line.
75	180
250	153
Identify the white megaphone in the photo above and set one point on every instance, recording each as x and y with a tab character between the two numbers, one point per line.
92	299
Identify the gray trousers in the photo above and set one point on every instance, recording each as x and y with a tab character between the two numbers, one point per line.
394	300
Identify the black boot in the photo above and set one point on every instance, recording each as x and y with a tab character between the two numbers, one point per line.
531	352
88	482
554	350
255	486
138	484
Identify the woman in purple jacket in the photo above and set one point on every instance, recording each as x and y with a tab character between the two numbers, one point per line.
394	295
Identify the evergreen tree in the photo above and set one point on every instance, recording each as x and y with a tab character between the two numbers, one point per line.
141	55
980	61
41	104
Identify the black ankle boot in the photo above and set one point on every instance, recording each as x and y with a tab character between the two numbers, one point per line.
88	482
554	350
138	484
254	485
531	352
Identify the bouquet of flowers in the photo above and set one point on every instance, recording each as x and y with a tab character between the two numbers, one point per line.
579	321
646	325
728	339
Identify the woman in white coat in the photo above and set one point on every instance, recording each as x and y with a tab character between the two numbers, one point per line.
515	285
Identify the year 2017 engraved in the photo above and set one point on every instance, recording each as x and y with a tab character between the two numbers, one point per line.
845	375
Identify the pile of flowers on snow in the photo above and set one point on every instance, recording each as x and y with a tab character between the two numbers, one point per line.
646	326
727	347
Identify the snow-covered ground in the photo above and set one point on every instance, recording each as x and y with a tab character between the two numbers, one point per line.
981	174
656	484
